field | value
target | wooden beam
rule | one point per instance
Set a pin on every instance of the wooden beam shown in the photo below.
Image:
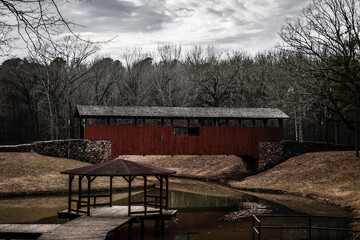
(129, 197)
(88, 194)
(126, 178)
(167, 192)
(145, 190)
(161, 194)
(71, 177)
(111, 190)
(93, 179)
(79, 195)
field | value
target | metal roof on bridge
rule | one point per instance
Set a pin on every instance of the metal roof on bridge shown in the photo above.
(179, 112)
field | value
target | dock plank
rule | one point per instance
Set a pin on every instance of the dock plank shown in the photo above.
(101, 222)
(27, 228)
(25, 231)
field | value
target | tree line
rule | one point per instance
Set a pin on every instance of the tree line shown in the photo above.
(39, 95)
(314, 75)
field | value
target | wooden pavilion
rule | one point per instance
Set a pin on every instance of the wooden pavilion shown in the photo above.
(118, 168)
(181, 130)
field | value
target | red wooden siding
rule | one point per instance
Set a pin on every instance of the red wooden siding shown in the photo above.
(159, 140)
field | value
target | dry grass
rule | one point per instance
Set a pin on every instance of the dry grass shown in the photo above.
(202, 167)
(329, 176)
(32, 173)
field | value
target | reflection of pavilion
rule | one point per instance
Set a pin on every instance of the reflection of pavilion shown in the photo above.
(118, 168)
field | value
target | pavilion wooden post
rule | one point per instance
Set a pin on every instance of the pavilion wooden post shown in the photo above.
(161, 194)
(167, 192)
(129, 207)
(88, 194)
(71, 178)
(78, 205)
(129, 197)
(145, 199)
(111, 190)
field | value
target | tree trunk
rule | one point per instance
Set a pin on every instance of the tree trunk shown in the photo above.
(356, 134)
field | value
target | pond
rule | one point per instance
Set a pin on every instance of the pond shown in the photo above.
(205, 211)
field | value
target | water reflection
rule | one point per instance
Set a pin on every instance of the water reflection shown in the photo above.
(202, 207)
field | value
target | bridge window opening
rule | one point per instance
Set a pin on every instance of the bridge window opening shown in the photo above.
(193, 131)
(186, 131)
(246, 123)
(180, 131)
(272, 123)
(97, 121)
(110, 121)
(180, 122)
(194, 123)
(153, 122)
(233, 123)
(259, 123)
(125, 122)
(207, 122)
(167, 122)
(221, 123)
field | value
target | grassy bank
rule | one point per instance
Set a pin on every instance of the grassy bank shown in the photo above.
(35, 174)
(333, 177)
(206, 167)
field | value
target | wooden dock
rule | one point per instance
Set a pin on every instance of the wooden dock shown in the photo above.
(25, 231)
(102, 223)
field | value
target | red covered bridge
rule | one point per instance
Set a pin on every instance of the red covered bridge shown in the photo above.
(181, 130)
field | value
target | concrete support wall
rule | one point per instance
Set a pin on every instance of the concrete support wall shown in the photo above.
(79, 149)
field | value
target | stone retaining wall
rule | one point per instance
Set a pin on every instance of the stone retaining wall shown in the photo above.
(79, 149)
(273, 153)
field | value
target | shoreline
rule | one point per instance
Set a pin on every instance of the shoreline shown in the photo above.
(280, 180)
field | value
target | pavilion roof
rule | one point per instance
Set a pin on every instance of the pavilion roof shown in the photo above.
(119, 167)
(179, 112)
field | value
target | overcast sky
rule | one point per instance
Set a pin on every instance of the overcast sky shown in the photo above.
(250, 25)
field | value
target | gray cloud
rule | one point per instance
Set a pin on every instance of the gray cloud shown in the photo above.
(243, 24)
(116, 16)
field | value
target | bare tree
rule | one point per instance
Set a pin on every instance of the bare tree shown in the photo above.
(61, 77)
(167, 79)
(329, 32)
(136, 85)
(215, 78)
(36, 22)
(104, 77)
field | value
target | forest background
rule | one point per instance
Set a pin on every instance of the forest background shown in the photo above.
(38, 94)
